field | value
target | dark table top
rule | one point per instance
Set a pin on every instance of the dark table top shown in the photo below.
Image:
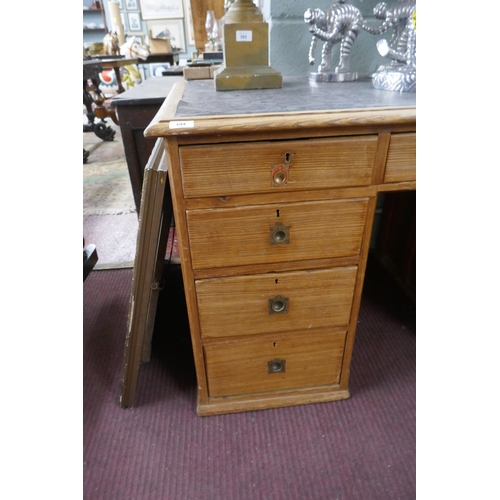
(150, 91)
(159, 58)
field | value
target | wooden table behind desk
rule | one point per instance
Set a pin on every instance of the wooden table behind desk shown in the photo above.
(168, 57)
(136, 108)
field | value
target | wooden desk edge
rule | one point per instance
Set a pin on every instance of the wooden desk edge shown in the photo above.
(160, 126)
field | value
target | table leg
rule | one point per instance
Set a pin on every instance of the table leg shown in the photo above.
(100, 129)
(119, 80)
(87, 102)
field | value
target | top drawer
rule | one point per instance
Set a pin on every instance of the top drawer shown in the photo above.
(265, 167)
(401, 162)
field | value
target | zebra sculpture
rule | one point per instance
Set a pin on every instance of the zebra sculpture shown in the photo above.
(395, 17)
(400, 77)
(341, 22)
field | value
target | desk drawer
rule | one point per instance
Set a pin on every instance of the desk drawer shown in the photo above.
(251, 235)
(274, 364)
(242, 168)
(401, 162)
(275, 302)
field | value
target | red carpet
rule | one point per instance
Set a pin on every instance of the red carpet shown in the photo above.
(361, 448)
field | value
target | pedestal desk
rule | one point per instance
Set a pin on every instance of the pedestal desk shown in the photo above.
(274, 194)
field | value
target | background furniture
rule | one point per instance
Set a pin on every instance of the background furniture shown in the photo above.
(274, 199)
(136, 108)
(395, 245)
(94, 15)
(169, 57)
(91, 70)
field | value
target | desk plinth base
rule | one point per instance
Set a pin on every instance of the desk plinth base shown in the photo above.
(247, 78)
(220, 406)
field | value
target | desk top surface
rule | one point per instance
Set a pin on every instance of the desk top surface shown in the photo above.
(297, 95)
(298, 103)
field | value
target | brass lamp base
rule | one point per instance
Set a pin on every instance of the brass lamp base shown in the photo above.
(246, 51)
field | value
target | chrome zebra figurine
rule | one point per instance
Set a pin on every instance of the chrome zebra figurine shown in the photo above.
(395, 17)
(402, 75)
(342, 23)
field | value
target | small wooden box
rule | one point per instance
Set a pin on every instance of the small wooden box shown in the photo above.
(160, 46)
(201, 73)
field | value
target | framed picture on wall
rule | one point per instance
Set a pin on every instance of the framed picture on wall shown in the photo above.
(139, 37)
(161, 9)
(134, 21)
(131, 4)
(176, 28)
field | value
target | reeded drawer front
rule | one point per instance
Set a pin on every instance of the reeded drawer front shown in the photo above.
(265, 167)
(273, 364)
(274, 302)
(276, 233)
(401, 162)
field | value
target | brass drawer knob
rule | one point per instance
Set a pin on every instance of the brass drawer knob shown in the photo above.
(278, 305)
(276, 365)
(279, 175)
(279, 234)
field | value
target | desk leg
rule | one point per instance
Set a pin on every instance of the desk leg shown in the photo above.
(154, 222)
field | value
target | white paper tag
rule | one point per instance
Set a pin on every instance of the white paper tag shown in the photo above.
(181, 124)
(243, 35)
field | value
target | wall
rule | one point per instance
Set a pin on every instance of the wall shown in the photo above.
(144, 27)
(289, 38)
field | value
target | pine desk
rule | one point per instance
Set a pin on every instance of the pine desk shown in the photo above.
(274, 195)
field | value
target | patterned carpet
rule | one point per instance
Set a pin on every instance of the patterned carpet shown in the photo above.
(106, 182)
(109, 213)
